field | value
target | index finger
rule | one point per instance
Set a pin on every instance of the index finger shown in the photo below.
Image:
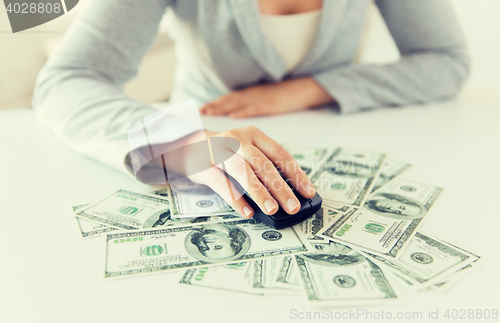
(286, 163)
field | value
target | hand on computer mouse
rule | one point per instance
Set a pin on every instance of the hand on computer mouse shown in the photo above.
(254, 167)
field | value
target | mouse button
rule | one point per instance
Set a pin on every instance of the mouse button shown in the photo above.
(280, 215)
(302, 200)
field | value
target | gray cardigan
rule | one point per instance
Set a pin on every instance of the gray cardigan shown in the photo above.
(220, 47)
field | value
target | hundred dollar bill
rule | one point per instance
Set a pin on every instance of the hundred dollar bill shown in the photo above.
(308, 158)
(446, 285)
(336, 207)
(234, 277)
(332, 216)
(391, 168)
(388, 220)
(220, 217)
(454, 278)
(146, 251)
(287, 275)
(128, 210)
(427, 261)
(308, 229)
(336, 275)
(190, 199)
(348, 176)
(263, 276)
(88, 229)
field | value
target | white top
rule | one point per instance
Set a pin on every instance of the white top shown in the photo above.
(292, 35)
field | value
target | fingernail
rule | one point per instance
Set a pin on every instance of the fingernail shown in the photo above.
(247, 211)
(269, 205)
(292, 204)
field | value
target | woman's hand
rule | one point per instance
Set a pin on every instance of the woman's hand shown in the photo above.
(253, 165)
(275, 98)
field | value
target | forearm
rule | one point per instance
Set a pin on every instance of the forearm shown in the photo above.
(78, 94)
(415, 78)
(434, 60)
(88, 115)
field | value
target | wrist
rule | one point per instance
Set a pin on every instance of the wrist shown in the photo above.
(311, 94)
(175, 154)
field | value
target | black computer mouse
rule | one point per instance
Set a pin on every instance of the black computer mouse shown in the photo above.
(281, 219)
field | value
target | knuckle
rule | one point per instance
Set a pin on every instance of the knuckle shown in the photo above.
(235, 97)
(252, 129)
(256, 162)
(237, 165)
(255, 159)
(229, 133)
(218, 183)
(278, 185)
(229, 103)
(281, 153)
(267, 166)
(255, 187)
(263, 167)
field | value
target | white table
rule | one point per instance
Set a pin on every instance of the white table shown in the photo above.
(48, 275)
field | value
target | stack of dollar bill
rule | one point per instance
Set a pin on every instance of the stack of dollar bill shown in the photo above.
(358, 249)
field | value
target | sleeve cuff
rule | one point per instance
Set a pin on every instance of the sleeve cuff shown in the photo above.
(342, 85)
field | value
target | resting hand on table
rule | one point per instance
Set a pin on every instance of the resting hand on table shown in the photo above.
(287, 96)
(254, 168)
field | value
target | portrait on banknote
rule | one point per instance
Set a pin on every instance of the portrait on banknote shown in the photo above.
(333, 254)
(162, 218)
(217, 242)
(396, 206)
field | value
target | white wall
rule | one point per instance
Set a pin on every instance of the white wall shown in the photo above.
(481, 24)
(23, 54)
